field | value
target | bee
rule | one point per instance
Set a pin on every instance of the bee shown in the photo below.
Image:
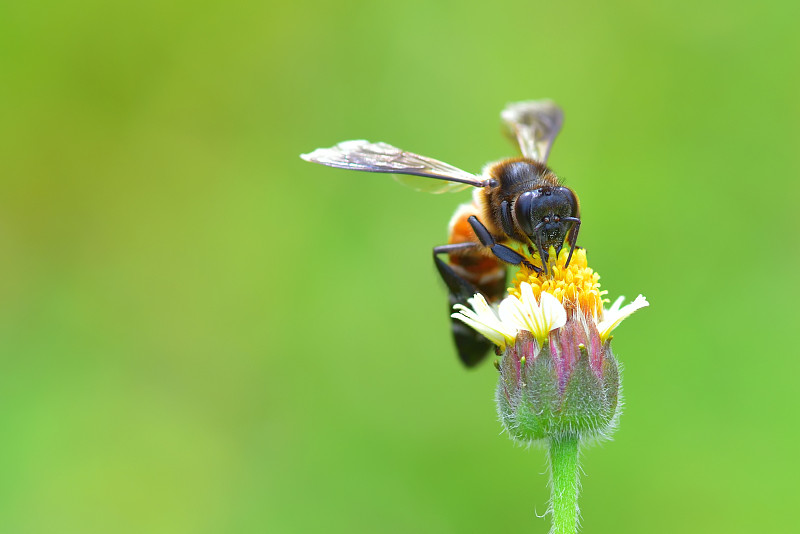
(518, 205)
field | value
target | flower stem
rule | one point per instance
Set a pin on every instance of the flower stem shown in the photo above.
(564, 483)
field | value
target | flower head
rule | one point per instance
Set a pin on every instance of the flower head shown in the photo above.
(557, 375)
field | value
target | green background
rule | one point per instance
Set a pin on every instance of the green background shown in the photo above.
(202, 333)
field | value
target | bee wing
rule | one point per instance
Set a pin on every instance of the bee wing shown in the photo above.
(535, 124)
(379, 157)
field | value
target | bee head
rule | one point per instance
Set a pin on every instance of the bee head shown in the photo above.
(546, 214)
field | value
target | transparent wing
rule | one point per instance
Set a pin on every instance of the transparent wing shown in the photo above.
(379, 157)
(535, 124)
(426, 185)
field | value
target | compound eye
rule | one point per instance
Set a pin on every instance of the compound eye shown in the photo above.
(523, 210)
(546, 220)
(556, 218)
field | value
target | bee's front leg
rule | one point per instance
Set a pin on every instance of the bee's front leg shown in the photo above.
(502, 252)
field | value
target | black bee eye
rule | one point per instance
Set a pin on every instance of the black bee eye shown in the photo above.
(556, 218)
(546, 219)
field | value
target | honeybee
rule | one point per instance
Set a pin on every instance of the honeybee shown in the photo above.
(518, 205)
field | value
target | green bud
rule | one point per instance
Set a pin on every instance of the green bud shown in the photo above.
(568, 386)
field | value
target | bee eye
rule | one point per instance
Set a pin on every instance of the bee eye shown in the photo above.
(546, 220)
(556, 218)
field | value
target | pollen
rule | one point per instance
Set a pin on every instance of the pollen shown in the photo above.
(576, 286)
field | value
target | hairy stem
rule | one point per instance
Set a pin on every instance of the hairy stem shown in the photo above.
(564, 483)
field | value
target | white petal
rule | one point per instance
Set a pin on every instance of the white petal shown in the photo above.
(478, 303)
(482, 319)
(617, 303)
(526, 314)
(613, 316)
(532, 311)
(510, 312)
(492, 335)
(513, 314)
(526, 294)
(553, 312)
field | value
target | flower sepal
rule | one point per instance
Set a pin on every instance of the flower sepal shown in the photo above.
(540, 397)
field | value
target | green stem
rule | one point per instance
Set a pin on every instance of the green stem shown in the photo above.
(564, 483)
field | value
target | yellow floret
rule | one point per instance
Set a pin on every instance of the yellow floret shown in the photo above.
(576, 287)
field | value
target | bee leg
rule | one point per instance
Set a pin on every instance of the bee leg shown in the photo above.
(538, 270)
(482, 233)
(456, 284)
(513, 257)
(572, 239)
(472, 346)
(454, 248)
(503, 253)
(543, 255)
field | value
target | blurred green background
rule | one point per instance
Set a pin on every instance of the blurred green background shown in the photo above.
(201, 333)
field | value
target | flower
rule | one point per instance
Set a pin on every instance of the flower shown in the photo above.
(540, 304)
(515, 315)
(558, 375)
